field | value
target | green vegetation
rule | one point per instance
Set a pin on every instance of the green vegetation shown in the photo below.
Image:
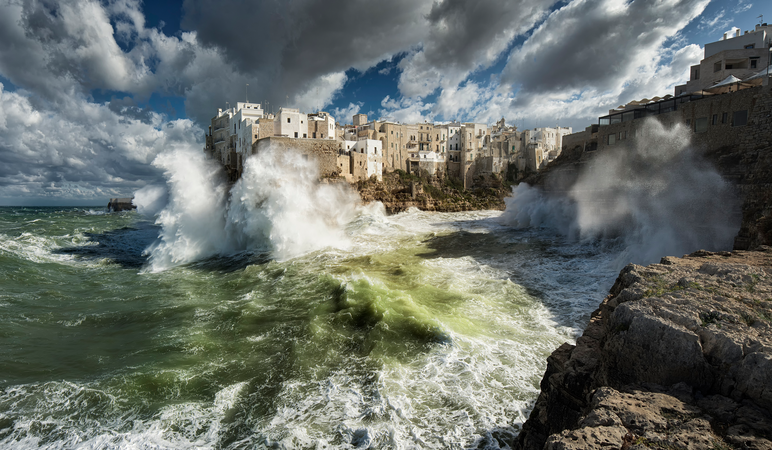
(709, 317)
(751, 287)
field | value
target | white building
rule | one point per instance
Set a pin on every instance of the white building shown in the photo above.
(737, 54)
(244, 125)
(290, 122)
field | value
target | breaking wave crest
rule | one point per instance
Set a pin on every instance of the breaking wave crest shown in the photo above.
(278, 206)
(654, 197)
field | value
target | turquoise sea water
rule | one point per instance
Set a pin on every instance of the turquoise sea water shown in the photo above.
(430, 331)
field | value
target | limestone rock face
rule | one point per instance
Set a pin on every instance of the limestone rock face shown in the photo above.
(679, 355)
(399, 192)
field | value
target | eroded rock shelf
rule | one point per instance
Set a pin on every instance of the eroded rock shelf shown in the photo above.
(678, 355)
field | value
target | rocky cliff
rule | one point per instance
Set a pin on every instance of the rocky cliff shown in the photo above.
(399, 191)
(678, 355)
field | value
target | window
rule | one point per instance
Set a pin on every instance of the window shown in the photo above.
(622, 135)
(750, 46)
(392, 131)
(288, 120)
(612, 139)
(740, 118)
(688, 122)
(724, 117)
(717, 67)
(314, 134)
(715, 120)
(701, 125)
(305, 135)
(296, 134)
(754, 61)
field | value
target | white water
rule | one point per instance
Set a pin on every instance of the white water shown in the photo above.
(278, 206)
(652, 196)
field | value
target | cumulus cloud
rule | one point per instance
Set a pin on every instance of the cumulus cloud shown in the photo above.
(563, 60)
(345, 115)
(406, 110)
(465, 36)
(294, 46)
(86, 150)
(598, 44)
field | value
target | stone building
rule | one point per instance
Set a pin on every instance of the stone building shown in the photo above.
(735, 54)
(321, 125)
(715, 119)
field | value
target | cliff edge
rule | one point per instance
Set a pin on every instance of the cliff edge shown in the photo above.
(678, 355)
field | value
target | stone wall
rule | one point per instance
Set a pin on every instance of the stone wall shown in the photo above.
(749, 165)
(325, 151)
(719, 131)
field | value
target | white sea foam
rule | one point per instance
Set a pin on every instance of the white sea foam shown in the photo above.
(64, 412)
(655, 196)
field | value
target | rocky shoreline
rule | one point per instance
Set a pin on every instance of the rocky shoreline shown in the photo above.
(678, 355)
(400, 191)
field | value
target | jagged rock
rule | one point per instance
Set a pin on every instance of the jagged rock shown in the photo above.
(399, 192)
(679, 355)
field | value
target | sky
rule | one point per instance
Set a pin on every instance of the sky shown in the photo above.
(91, 92)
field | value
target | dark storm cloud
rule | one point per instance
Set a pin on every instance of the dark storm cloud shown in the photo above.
(55, 140)
(286, 45)
(463, 36)
(597, 44)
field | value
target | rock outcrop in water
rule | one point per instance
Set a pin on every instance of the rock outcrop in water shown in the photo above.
(678, 355)
(121, 204)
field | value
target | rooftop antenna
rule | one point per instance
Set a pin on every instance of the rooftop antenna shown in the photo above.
(761, 19)
(246, 93)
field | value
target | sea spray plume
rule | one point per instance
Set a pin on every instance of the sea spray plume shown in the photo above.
(659, 194)
(151, 200)
(279, 204)
(655, 195)
(193, 221)
(529, 207)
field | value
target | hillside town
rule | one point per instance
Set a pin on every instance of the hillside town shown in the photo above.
(367, 148)
(715, 103)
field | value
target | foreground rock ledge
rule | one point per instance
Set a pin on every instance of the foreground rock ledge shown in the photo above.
(679, 355)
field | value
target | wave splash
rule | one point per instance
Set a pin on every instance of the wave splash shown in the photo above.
(278, 206)
(653, 197)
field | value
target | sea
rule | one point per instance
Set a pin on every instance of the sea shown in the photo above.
(281, 313)
(431, 330)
